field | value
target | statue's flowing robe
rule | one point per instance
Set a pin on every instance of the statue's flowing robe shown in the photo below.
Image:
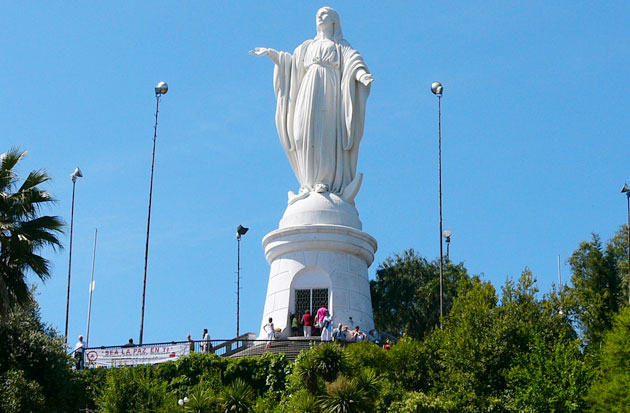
(320, 112)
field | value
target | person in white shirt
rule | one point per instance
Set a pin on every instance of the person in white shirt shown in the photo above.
(358, 335)
(205, 344)
(271, 332)
(326, 324)
(79, 351)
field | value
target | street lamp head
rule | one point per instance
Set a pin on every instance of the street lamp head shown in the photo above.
(625, 189)
(241, 230)
(76, 174)
(447, 234)
(161, 89)
(437, 88)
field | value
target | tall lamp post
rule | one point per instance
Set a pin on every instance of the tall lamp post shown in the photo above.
(160, 90)
(74, 175)
(437, 89)
(240, 230)
(626, 190)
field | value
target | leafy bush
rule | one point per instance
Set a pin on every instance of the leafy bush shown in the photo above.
(330, 360)
(135, 389)
(416, 402)
(20, 394)
(345, 396)
(367, 355)
(263, 373)
(189, 371)
(201, 400)
(35, 353)
(305, 374)
(301, 401)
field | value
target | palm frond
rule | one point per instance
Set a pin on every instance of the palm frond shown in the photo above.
(8, 160)
(23, 233)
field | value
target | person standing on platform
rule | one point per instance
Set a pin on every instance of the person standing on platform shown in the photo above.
(191, 343)
(319, 319)
(79, 351)
(338, 334)
(294, 325)
(271, 332)
(307, 320)
(326, 327)
(205, 344)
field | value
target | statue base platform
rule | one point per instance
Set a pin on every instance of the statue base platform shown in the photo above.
(317, 208)
(314, 265)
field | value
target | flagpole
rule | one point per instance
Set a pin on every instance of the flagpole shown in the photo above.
(87, 334)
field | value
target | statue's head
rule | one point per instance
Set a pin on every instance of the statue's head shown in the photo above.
(327, 16)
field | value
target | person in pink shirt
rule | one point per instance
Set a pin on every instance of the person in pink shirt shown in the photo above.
(307, 321)
(321, 313)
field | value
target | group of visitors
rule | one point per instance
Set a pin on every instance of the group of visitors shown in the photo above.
(320, 325)
(344, 334)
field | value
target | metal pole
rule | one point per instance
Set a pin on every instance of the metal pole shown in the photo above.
(238, 285)
(146, 249)
(440, 181)
(559, 273)
(74, 183)
(628, 197)
(448, 247)
(87, 334)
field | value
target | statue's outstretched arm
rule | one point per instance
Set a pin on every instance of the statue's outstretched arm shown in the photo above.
(364, 77)
(272, 53)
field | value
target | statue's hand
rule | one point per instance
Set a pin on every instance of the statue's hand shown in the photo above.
(259, 51)
(366, 79)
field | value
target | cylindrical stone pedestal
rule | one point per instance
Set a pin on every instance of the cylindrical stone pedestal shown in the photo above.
(314, 264)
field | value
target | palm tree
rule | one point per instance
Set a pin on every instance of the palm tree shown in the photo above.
(23, 232)
(237, 397)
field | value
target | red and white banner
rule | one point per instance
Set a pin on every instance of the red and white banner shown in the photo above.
(132, 356)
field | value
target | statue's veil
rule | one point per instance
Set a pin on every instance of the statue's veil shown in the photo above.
(337, 32)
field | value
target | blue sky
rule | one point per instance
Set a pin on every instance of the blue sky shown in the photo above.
(535, 142)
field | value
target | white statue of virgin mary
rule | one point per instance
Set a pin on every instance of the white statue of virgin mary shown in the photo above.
(322, 89)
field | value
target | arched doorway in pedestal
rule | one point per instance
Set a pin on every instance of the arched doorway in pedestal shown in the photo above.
(310, 290)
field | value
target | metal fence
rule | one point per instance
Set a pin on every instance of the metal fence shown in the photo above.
(245, 345)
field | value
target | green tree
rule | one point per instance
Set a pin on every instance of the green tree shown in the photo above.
(618, 248)
(551, 377)
(598, 291)
(23, 231)
(471, 354)
(35, 373)
(610, 391)
(492, 354)
(406, 293)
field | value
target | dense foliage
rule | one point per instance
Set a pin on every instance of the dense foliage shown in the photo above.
(406, 293)
(35, 372)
